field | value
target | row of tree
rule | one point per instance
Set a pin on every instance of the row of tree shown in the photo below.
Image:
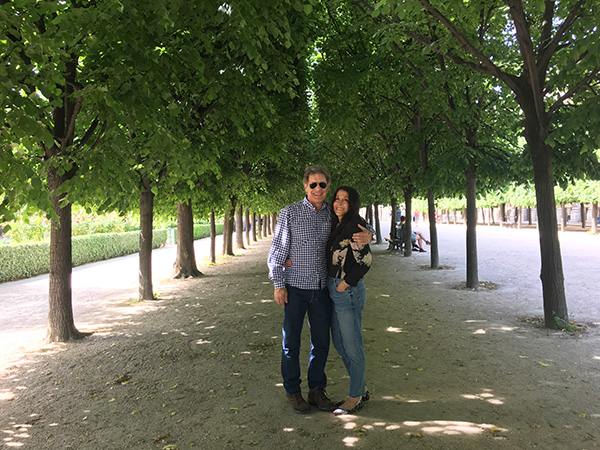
(157, 105)
(122, 104)
(453, 99)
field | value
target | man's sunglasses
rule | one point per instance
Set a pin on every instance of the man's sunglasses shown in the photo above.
(322, 185)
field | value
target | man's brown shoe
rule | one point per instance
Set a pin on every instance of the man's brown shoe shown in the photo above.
(298, 404)
(318, 398)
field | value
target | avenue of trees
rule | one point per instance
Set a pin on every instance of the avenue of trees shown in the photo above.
(213, 109)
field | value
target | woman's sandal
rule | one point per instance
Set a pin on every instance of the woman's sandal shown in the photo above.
(341, 412)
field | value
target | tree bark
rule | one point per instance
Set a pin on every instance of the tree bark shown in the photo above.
(239, 228)
(552, 276)
(213, 238)
(229, 238)
(265, 223)
(583, 214)
(185, 262)
(61, 325)
(253, 226)
(247, 225)
(472, 267)
(434, 256)
(377, 225)
(145, 288)
(502, 214)
(407, 229)
(225, 231)
(393, 218)
(595, 217)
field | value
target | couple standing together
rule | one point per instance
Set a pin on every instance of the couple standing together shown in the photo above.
(319, 255)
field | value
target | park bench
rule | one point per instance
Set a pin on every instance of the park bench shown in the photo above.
(396, 242)
(395, 239)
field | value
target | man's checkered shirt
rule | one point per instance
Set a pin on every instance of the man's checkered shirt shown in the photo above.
(300, 235)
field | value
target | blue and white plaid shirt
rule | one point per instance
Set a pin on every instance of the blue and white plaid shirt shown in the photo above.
(300, 235)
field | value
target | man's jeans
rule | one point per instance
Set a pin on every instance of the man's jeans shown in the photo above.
(318, 306)
(346, 331)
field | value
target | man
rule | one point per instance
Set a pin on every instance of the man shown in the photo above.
(301, 288)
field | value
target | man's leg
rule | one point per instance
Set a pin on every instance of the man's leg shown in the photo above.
(293, 319)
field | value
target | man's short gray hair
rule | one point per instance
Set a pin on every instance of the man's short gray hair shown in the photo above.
(314, 170)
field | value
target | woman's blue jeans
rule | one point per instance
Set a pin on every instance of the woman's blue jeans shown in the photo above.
(317, 304)
(346, 331)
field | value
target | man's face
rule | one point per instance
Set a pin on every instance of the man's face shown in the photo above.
(315, 192)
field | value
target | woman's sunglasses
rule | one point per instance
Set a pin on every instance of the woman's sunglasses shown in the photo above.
(322, 185)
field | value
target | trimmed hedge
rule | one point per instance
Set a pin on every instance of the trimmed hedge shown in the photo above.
(28, 260)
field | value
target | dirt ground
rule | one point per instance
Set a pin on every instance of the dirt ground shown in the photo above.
(448, 368)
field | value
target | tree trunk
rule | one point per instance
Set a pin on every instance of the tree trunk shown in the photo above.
(61, 325)
(520, 221)
(185, 263)
(213, 238)
(583, 214)
(455, 221)
(247, 225)
(273, 222)
(472, 268)
(230, 228)
(225, 231)
(253, 226)
(553, 287)
(265, 223)
(490, 216)
(407, 230)
(433, 239)
(369, 214)
(145, 288)
(377, 225)
(239, 229)
(595, 217)
(393, 218)
(502, 214)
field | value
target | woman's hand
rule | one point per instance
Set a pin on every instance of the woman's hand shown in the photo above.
(342, 286)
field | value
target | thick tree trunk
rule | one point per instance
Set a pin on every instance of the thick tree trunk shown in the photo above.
(472, 267)
(377, 225)
(185, 263)
(247, 225)
(273, 222)
(239, 228)
(595, 217)
(407, 230)
(553, 282)
(145, 289)
(433, 239)
(61, 325)
(213, 238)
(254, 238)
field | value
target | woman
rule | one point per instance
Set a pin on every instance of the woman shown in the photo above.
(347, 264)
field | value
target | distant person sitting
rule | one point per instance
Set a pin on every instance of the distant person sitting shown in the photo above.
(417, 237)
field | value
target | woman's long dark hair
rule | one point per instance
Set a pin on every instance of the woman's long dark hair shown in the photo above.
(353, 208)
